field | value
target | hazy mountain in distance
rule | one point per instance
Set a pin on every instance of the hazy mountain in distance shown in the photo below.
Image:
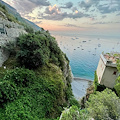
(14, 12)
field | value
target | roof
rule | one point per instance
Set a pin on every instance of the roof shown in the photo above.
(110, 59)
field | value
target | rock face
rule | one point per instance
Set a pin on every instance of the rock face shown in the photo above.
(12, 31)
(67, 73)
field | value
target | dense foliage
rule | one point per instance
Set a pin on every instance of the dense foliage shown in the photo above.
(32, 95)
(74, 113)
(33, 85)
(104, 105)
(117, 85)
(38, 94)
(8, 92)
(97, 86)
(38, 49)
(35, 80)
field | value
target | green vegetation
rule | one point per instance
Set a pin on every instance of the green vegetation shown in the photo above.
(16, 18)
(33, 85)
(10, 17)
(74, 113)
(38, 97)
(104, 105)
(37, 49)
(97, 86)
(117, 85)
(100, 103)
(28, 29)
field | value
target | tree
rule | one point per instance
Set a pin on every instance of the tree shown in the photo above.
(117, 85)
(33, 50)
(104, 105)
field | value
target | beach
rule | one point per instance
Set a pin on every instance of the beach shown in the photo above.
(79, 87)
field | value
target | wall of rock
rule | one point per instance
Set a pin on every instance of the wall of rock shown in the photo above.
(13, 30)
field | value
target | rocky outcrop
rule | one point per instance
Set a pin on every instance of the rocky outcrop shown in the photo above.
(13, 30)
(3, 15)
(67, 73)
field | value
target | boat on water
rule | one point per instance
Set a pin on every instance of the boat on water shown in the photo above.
(99, 45)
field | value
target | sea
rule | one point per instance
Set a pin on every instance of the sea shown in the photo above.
(83, 52)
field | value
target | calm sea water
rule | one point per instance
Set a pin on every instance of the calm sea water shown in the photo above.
(84, 51)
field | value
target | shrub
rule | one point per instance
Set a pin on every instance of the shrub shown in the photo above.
(20, 76)
(97, 86)
(33, 51)
(36, 49)
(8, 92)
(95, 81)
(104, 105)
(74, 113)
(19, 110)
(117, 86)
(74, 102)
(29, 29)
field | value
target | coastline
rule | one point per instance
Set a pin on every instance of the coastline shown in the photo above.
(79, 86)
(78, 78)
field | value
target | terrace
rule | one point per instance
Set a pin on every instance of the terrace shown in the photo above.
(110, 59)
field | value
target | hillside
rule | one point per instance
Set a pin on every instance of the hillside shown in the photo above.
(13, 11)
(34, 74)
(35, 78)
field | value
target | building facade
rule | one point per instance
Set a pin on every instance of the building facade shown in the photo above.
(107, 71)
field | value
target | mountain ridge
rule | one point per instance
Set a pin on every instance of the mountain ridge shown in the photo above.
(14, 12)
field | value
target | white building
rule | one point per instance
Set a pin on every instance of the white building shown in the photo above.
(107, 70)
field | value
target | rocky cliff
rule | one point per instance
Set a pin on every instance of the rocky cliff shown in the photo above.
(9, 32)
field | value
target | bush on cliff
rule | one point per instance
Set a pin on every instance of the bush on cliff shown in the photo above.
(33, 95)
(117, 85)
(8, 92)
(104, 105)
(42, 93)
(35, 49)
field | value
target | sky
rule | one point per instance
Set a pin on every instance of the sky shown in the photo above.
(82, 16)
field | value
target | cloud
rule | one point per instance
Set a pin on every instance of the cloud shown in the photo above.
(102, 6)
(104, 16)
(40, 2)
(27, 6)
(118, 14)
(110, 7)
(88, 3)
(54, 13)
(71, 25)
(64, 15)
(76, 26)
(68, 5)
(105, 23)
(52, 10)
(105, 9)
(30, 17)
(74, 9)
(38, 22)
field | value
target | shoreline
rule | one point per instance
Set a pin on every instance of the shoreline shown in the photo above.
(78, 78)
(79, 87)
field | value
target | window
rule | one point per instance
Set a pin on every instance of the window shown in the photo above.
(114, 73)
